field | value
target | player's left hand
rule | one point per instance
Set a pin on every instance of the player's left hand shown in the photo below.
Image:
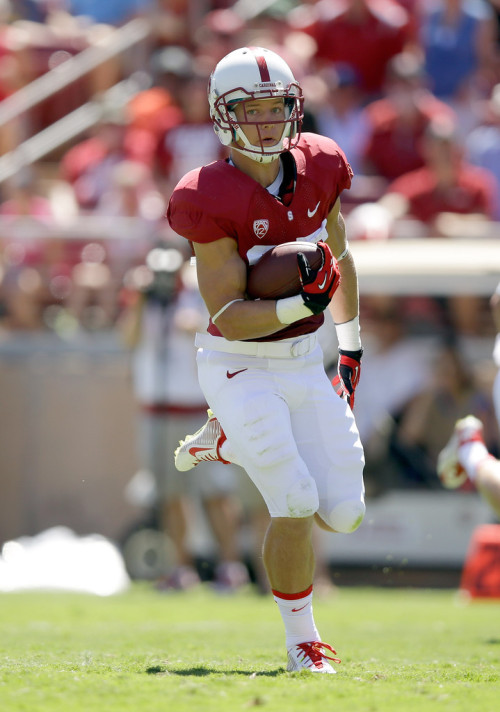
(348, 373)
(318, 286)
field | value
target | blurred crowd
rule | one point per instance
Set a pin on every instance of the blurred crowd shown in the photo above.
(409, 89)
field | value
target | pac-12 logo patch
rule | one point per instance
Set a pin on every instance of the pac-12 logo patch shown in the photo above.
(260, 228)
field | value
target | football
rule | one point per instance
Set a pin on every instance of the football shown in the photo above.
(276, 274)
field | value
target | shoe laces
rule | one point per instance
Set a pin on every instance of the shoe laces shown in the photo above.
(314, 651)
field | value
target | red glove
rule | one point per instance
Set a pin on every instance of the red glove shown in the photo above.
(348, 372)
(318, 286)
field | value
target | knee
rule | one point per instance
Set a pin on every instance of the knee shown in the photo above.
(302, 499)
(347, 516)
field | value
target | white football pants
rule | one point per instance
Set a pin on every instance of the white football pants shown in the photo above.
(289, 430)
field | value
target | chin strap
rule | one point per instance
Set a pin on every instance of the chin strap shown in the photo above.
(257, 157)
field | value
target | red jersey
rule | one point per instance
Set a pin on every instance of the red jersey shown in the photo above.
(473, 192)
(394, 147)
(368, 45)
(219, 200)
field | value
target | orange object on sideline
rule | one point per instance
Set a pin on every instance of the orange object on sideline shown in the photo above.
(481, 572)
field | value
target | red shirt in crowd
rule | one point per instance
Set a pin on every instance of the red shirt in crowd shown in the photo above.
(367, 46)
(472, 192)
(393, 145)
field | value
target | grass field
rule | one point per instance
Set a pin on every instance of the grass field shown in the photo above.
(401, 650)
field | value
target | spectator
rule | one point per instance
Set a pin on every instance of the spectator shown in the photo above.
(159, 325)
(152, 112)
(44, 44)
(88, 166)
(483, 144)
(170, 67)
(173, 22)
(362, 33)
(99, 269)
(339, 114)
(446, 194)
(192, 142)
(396, 369)
(25, 265)
(111, 12)
(398, 121)
(447, 183)
(458, 39)
(221, 31)
(425, 423)
(414, 10)
(465, 458)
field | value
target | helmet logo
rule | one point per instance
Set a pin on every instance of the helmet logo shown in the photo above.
(260, 228)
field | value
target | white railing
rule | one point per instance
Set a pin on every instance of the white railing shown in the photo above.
(440, 266)
(70, 126)
(81, 119)
(80, 227)
(74, 68)
(428, 265)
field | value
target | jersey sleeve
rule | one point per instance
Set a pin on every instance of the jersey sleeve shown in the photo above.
(193, 213)
(330, 166)
(344, 171)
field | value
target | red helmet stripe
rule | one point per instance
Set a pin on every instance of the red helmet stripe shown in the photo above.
(263, 68)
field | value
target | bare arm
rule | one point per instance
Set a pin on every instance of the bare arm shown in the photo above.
(222, 278)
(345, 303)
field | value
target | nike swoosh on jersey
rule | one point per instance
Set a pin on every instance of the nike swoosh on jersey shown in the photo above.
(310, 213)
(235, 373)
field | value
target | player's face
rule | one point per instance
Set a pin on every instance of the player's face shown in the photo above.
(261, 120)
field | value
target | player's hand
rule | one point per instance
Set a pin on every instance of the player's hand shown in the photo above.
(318, 285)
(348, 373)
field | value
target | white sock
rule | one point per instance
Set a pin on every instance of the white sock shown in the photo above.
(470, 454)
(297, 614)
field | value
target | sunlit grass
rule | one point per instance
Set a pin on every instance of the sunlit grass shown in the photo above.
(401, 650)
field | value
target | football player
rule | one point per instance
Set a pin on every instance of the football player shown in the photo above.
(465, 455)
(260, 364)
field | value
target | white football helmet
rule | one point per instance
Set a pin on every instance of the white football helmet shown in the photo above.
(247, 74)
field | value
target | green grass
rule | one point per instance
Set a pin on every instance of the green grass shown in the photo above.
(403, 650)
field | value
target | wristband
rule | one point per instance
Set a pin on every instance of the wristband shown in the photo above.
(348, 335)
(292, 309)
